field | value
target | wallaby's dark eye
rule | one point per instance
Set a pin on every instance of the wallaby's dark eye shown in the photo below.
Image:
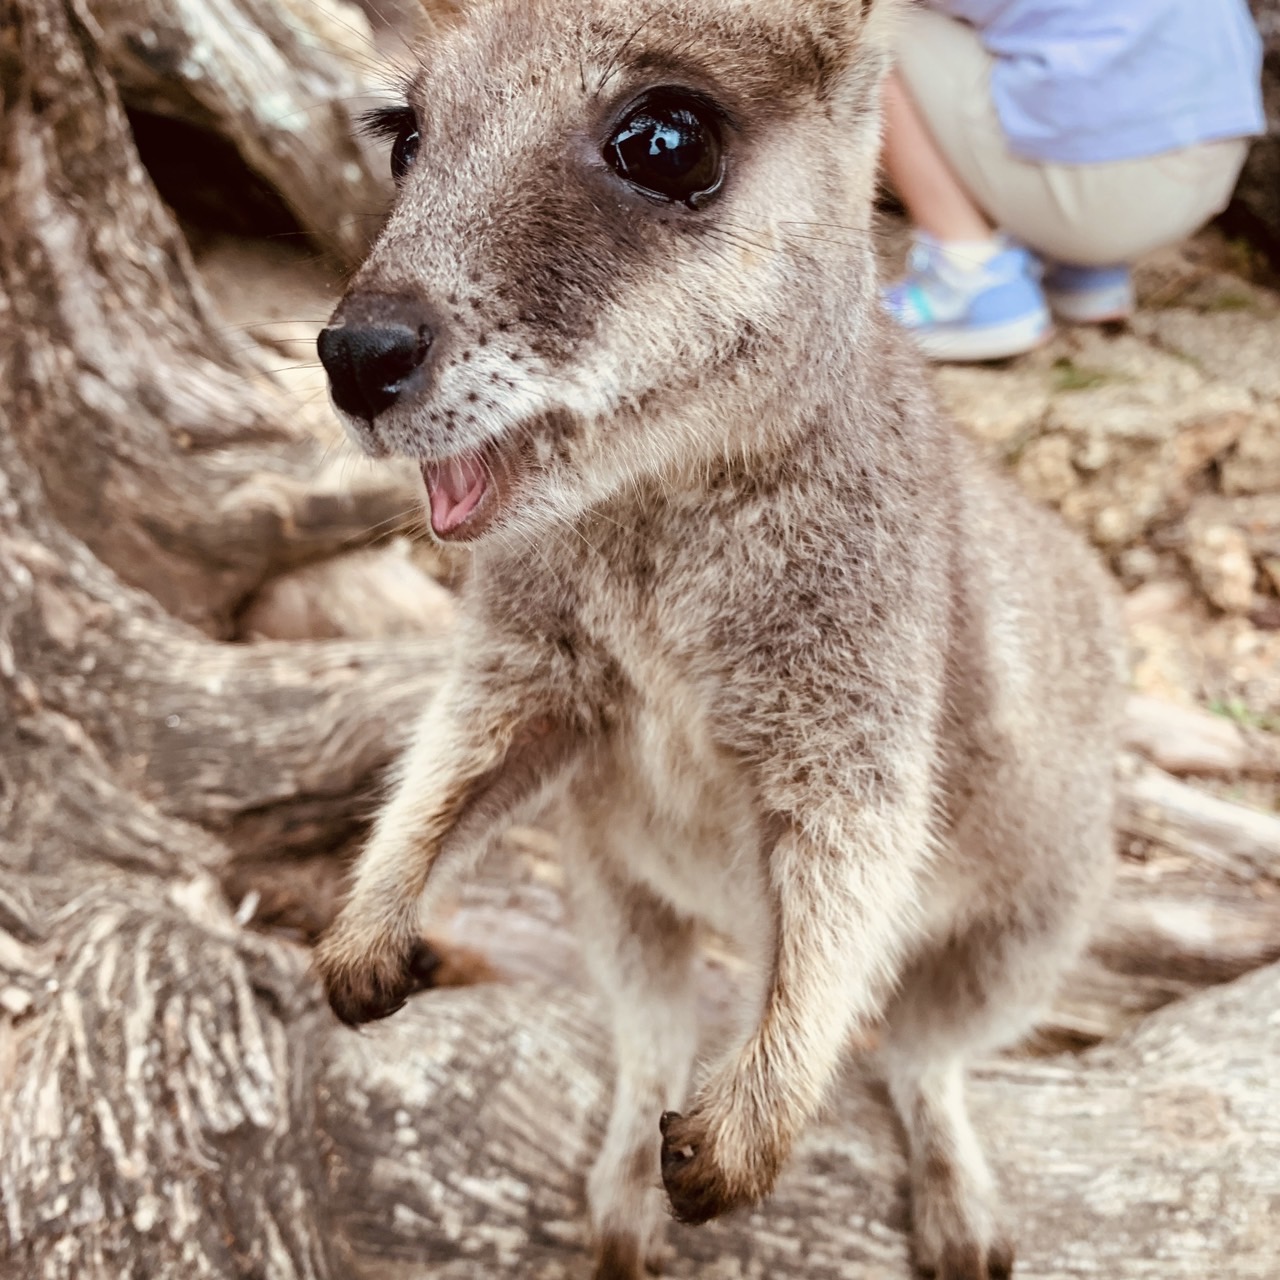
(404, 151)
(400, 125)
(669, 146)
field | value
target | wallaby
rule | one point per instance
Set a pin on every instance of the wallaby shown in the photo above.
(798, 665)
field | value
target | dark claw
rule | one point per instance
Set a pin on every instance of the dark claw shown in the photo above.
(618, 1259)
(693, 1185)
(355, 1011)
(673, 1156)
(423, 966)
(386, 1013)
(967, 1260)
(370, 996)
(1000, 1260)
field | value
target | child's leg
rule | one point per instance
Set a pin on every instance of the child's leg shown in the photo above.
(935, 198)
(967, 294)
(1088, 215)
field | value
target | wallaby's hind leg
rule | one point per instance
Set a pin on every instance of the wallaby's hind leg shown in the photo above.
(956, 1234)
(640, 952)
(977, 991)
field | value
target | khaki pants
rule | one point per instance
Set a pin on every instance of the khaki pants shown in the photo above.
(1089, 214)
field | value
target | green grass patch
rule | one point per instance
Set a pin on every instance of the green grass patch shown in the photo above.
(1069, 376)
(1234, 709)
(1229, 300)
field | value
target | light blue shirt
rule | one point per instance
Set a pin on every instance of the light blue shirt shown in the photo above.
(1086, 81)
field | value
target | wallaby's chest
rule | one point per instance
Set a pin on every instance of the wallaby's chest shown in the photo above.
(681, 810)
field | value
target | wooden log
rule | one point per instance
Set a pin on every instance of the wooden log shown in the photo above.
(1196, 902)
(275, 747)
(1156, 1156)
(372, 593)
(1243, 842)
(156, 1107)
(280, 82)
(176, 1105)
(1189, 740)
(178, 464)
(155, 1089)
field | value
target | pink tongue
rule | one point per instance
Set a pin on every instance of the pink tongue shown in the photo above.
(454, 488)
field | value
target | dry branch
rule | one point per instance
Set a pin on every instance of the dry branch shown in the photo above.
(1188, 740)
(1196, 902)
(1243, 842)
(171, 458)
(277, 748)
(280, 82)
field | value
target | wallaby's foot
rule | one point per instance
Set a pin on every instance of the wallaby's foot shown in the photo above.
(631, 1255)
(972, 1261)
(955, 1237)
(618, 1257)
(364, 982)
(629, 1227)
(702, 1178)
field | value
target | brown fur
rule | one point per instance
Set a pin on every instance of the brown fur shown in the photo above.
(797, 663)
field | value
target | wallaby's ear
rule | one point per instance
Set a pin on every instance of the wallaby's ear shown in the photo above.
(440, 14)
(862, 11)
(864, 30)
(861, 22)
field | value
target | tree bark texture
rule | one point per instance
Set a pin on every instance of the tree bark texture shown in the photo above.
(156, 442)
(176, 1105)
(1155, 1156)
(1190, 741)
(281, 80)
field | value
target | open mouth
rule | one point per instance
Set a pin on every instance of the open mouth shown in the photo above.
(455, 488)
(466, 492)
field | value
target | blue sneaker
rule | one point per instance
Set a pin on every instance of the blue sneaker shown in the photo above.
(966, 313)
(1089, 295)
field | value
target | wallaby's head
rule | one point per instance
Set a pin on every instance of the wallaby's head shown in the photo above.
(614, 219)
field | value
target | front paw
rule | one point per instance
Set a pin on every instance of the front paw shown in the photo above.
(365, 982)
(702, 1179)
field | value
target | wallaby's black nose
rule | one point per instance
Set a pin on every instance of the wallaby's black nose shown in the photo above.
(373, 352)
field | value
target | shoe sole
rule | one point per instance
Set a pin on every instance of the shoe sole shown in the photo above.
(974, 344)
(1104, 306)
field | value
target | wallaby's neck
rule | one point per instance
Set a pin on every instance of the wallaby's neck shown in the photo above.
(838, 380)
